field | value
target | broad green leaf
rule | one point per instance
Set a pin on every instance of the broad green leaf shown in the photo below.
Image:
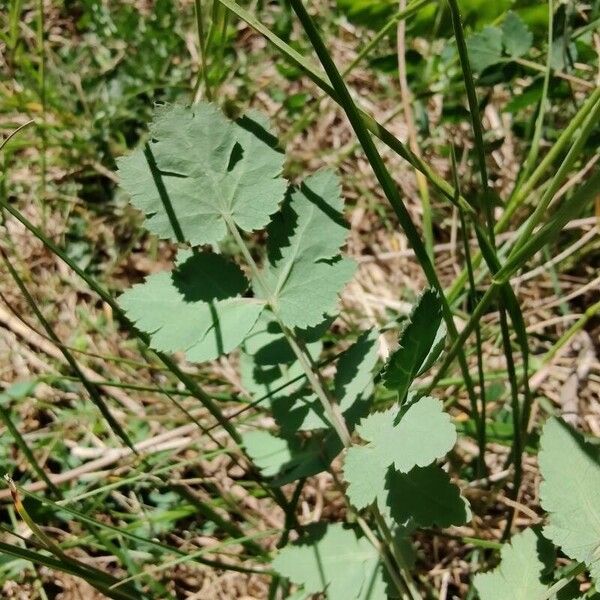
(516, 36)
(525, 563)
(425, 497)
(414, 438)
(286, 458)
(334, 560)
(485, 48)
(306, 272)
(418, 339)
(196, 308)
(570, 493)
(198, 168)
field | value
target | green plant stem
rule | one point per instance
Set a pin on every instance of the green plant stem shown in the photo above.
(331, 408)
(385, 557)
(567, 211)
(590, 312)
(397, 551)
(507, 297)
(388, 186)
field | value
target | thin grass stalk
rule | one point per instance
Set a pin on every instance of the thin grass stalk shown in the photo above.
(403, 14)
(42, 92)
(557, 180)
(91, 388)
(532, 156)
(388, 186)
(472, 298)
(566, 212)
(522, 193)
(202, 48)
(24, 447)
(186, 379)
(412, 132)
(507, 297)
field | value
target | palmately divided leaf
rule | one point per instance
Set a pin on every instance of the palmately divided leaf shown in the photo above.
(417, 340)
(570, 493)
(196, 308)
(525, 564)
(423, 434)
(334, 560)
(425, 497)
(485, 48)
(516, 36)
(199, 167)
(306, 272)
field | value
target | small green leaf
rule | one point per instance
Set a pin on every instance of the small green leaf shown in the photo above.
(198, 168)
(334, 560)
(286, 458)
(516, 36)
(195, 309)
(422, 434)
(419, 343)
(306, 272)
(425, 497)
(485, 48)
(353, 385)
(569, 492)
(526, 563)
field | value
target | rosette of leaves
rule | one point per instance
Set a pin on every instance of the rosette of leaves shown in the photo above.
(201, 178)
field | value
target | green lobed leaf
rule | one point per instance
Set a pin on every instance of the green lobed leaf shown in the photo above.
(485, 48)
(569, 492)
(425, 497)
(333, 559)
(403, 440)
(525, 564)
(516, 36)
(198, 168)
(306, 271)
(196, 308)
(419, 337)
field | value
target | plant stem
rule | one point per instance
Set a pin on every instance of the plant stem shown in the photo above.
(331, 408)
(387, 184)
(390, 568)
